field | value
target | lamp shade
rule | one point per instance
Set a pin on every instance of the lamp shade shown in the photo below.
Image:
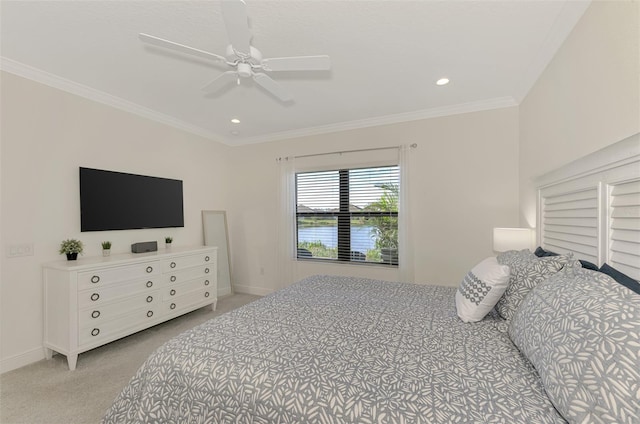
(512, 239)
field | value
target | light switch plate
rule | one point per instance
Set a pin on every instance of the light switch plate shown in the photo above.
(17, 250)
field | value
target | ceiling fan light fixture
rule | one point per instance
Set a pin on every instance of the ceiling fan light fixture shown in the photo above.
(244, 70)
(442, 81)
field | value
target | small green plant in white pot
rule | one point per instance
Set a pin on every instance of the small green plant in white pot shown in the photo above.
(106, 248)
(168, 241)
(71, 248)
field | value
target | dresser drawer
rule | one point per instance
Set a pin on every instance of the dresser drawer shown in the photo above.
(184, 275)
(86, 298)
(190, 299)
(106, 276)
(106, 329)
(182, 262)
(108, 311)
(178, 290)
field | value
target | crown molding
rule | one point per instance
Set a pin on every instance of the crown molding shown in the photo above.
(497, 103)
(69, 86)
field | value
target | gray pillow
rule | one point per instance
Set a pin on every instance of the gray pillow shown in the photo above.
(581, 331)
(527, 271)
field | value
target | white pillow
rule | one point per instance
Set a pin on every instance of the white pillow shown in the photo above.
(481, 289)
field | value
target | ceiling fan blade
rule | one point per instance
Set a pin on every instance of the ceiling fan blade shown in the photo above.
(160, 42)
(221, 81)
(237, 24)
(271, 86)
(298, 63)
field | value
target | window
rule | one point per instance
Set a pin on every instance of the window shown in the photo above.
(348, 215)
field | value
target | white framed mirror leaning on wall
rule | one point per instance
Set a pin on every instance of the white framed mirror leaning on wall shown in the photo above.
(214, 224)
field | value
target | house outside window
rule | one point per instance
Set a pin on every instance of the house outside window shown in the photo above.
(348, 215)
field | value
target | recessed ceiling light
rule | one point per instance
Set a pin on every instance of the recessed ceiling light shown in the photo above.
(235, 121)
(443, 81)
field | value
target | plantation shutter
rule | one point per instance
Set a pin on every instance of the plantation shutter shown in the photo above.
(624, 228)
(591, 207)
(570, 223)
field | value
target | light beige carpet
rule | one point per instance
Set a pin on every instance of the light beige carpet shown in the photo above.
(47, 392)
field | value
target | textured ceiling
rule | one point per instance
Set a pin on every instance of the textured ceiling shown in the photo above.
(386, 56)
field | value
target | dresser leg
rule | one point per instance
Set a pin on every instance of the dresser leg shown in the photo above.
(48, 353)
(214, 305)
(72, 360)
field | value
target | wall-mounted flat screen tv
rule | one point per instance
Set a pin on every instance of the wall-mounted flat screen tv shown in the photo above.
(119, 201)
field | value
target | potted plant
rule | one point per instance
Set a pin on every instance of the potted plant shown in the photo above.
(168, 241)
(106, 248)
(71, 248)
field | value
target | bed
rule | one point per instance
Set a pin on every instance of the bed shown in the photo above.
(527, 337)
(366, 350)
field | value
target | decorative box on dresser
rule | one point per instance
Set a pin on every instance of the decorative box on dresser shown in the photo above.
(96, 300)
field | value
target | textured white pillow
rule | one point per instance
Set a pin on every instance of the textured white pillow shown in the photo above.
(481, 289)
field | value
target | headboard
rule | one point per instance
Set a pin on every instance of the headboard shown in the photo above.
(591, 207)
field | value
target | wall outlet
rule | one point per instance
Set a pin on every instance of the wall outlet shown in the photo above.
(17, 250)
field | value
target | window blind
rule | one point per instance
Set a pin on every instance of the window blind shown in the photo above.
(348, 214)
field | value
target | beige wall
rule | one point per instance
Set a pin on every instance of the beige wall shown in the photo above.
(587, 98)
(46, 135)
(463, 183)
(470, 172)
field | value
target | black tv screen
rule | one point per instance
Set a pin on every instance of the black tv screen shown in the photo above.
(120, 201)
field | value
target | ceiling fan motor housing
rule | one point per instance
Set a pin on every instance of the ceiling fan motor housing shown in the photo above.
(254, 55)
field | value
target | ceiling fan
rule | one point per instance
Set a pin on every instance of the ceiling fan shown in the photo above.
(244, 59)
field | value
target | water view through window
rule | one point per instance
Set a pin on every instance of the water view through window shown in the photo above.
(348, 214)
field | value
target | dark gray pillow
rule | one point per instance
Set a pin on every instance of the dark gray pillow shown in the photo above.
(540, 252)
(621, 278)
(581, 331)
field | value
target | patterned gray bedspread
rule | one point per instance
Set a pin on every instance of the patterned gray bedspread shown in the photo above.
(339, 350)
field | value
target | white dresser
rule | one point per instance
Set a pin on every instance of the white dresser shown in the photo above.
(96, 300)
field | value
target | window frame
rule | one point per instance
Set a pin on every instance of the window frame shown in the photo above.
(344, 216)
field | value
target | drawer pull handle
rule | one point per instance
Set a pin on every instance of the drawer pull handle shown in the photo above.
(206, 258)
(95, 296)
(172, 264)
(173, 278)
(206, 270)
(206, 282)
(172, 292)
(149, 269)
(149, 283)
(95, 332)
(149, 299)
(150, 314)
(95, 314)
(95, 279)
(173, 306)
(206, 294)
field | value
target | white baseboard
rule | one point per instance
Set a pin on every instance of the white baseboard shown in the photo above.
(257, 291)
(22, 359)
